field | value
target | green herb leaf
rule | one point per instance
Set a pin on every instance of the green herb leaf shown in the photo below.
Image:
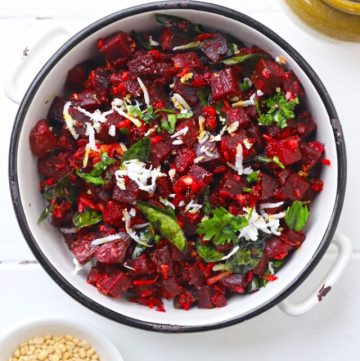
(203, 96)
(165, 224)
(245, 259)
(222, 227)
(165, 110)
(297, 216)
(135, 111)
(278, 111)
(140, 150)
(245, 85)
(253, 176)
(208, 253)
(141, 41)
(149, 115)
(94, 177)
(146, 239)
(191, 45)
(169, 125)
(276, 160)
(238, 59)
(263, 159)
(44, 214)
(87, 218)
(247, 190)
(186, 115)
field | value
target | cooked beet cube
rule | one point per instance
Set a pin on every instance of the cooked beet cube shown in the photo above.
(292, 238)
(267, 75)
(163, 187)
(237, 115)
(109, 280)
(56, 111)
(229, 143)
(262, 266)
(128, 195)
(158, 95)
(283, 175)
(55, 166)
(161, 257)
(294, 188)
(277, 249)
(211, 157)
(142, 65)
(215, 48)
(223, 84)
(112, 252)
(200, 174)
(204, 294)
(231, 186)
(268, 186)
(187, 92)
(117, 48)
(82, 249)
(86, 99)
(312, 154)
(171, 288)
(142, 265)
(184, 159)
(187, 60)
(133, 87)
(190, 138)
(288, 150)
(113, 214)
(77, 76)
(235, 282)
(291, 85)
(42, 139)
(169, 40)
(103, 135)
(303, 125)
(160, 150)
(189, 222)
(99, 82)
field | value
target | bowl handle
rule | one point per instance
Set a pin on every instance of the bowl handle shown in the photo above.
(12, 87)
(344, 247)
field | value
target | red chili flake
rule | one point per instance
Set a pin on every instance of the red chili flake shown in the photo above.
(159, 104)
(156, 139)
(155, 53)
(164, 271)
(249, 276)
(124, 124)
(317, 185)
(326, 161)
(270, 278)
(204, 36)
(149, 281)
(49, 181)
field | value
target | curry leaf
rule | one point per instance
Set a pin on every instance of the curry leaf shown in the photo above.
(165, 224)
(238, 59)
(44, 214)
(87, 218)
(208, 253)
(297, 216)
(222, 227)
(141, 41)
(140, 150)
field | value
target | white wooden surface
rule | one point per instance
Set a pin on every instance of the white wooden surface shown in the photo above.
(331, 331)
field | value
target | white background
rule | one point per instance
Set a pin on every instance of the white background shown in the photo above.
(331, 331)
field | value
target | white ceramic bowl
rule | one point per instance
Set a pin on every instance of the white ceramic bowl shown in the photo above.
(47, 243)
(104, 348)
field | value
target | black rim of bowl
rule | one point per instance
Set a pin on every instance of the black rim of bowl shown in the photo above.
(158, 6)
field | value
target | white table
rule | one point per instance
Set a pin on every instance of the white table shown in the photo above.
(331, 331)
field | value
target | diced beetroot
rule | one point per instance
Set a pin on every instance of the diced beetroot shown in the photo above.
(190, 138)
(62, 214)
(261, 267)
(128, 195)
(169, 40)
(291, 86)
(112, 252)
(216, 200)
(103, 135)
(77, 76)
(183, 160)
(223, 84)
(204, 294)
(163, 187)
(268, 186)
(165, 71)
(187, 92)
(55, 166)
(235, 282)
(277, 249)
(229, 143)
(86, 99)
(288, 150)
(56, 111)
(82, 249)
(196, 277)
(189, 222)
(161, 257)
(142, 265)
(215, 47)
(99, 82)
(160, 150)
(292, 238)
(133, 87)
(185, 300)
(157, 94)
(303, 125)
(187, 60)
(200, 174)
(142, 65)
(237, 115)
(171, 288)
(117, 48)
(209, 162)
(232, 185)
(219, 299)
(312, 154)
(113, 214)
(283, 175)
(42, 139)
(294, 188)
(109, 280)
(267, 75)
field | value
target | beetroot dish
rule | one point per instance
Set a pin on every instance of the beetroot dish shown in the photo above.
(179, 165)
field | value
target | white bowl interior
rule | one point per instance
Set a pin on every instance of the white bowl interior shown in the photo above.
(104, 348)
(51, 242)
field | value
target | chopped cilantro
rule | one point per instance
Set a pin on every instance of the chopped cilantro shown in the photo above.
(297, 216)
(253, 176)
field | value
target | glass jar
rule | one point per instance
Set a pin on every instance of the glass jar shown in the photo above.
(338, 19)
